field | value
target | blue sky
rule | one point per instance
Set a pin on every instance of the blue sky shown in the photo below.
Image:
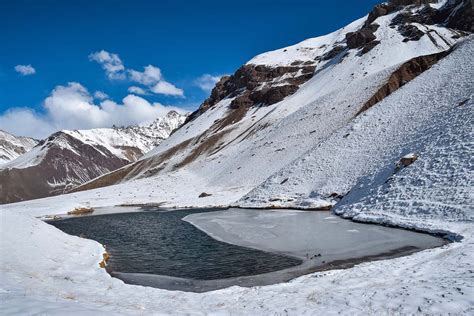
(184, 39)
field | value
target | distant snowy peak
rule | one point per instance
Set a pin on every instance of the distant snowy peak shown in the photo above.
(69, 158)
(13, 146)
(161, 128)
(131, 142)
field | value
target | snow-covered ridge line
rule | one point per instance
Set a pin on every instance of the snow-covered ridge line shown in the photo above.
(12, 146)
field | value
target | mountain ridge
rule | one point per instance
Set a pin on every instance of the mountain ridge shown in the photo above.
(68, 158)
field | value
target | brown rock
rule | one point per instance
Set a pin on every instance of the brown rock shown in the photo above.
(204, 194)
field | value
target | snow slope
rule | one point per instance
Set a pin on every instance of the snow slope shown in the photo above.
(316, 139)
(13, 146)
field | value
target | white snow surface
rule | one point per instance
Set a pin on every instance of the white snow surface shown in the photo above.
(12, 146)
(302, 139)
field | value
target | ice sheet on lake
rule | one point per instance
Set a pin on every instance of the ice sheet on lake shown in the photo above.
(306, 234)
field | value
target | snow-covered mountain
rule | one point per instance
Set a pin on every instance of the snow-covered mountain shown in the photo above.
(69, 158)
(12, 146)
(285, 103)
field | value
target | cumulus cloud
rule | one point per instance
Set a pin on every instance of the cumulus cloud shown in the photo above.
(151, 77)
(167, 88)
(137, 90)
(111, 63)
(72, 107)
(100, 95)
(207, 82)
(25, 70)
(26, 122)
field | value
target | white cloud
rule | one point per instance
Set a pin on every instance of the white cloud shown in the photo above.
(111, 63)
(151, 76)
(100, 95)
(72, 107)
(137, 90)
(167, 88)
(207, 82)
(25, 122)
(25, 70)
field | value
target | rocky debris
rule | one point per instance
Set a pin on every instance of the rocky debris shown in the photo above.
(405, 161)
(335, 195)
(204, 194)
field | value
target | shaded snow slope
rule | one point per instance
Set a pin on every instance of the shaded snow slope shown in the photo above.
(12, 146)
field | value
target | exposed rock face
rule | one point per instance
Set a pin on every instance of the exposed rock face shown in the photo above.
(405, 73)
(456, 14)
(460, 15)
(361, 37)
(261, 85)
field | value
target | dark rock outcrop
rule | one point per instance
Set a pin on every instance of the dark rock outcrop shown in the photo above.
(455, 14)
(363, 38)
(254, 85)
(410, 32)
(405, 73)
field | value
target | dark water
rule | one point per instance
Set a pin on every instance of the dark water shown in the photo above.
(161, 243)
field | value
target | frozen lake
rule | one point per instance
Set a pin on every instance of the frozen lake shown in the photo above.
(205, 249)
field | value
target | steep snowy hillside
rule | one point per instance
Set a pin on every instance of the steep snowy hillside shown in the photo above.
(13, 146)
(283, 103)
(69, 158)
